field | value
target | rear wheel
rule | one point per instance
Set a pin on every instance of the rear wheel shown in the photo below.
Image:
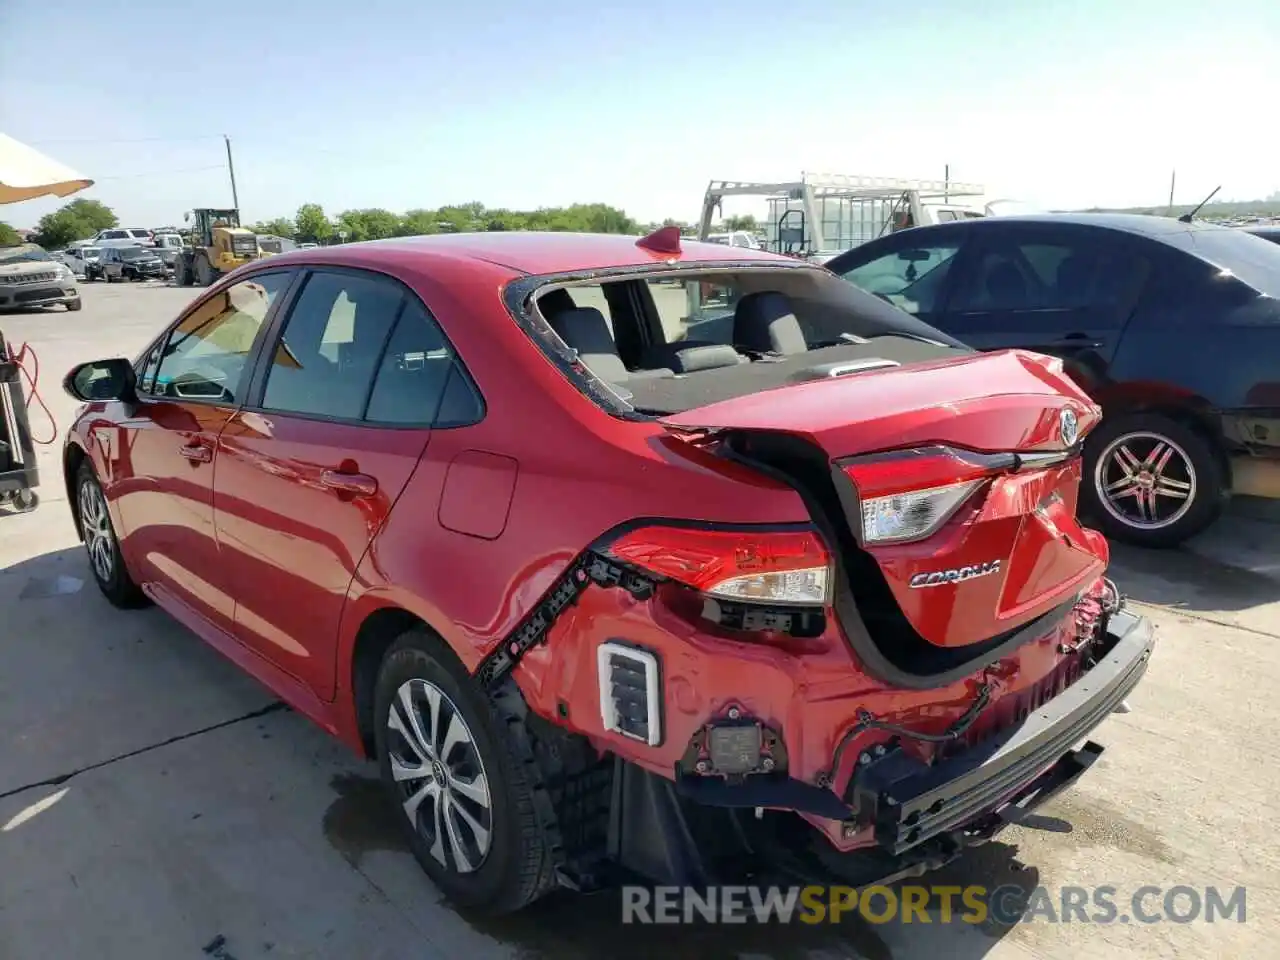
(105, 558)
(464, 799)
(1152, 481)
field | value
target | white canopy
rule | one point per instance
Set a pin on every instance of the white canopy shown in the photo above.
(26, 174)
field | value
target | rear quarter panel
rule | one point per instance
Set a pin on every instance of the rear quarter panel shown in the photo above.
(580, 473)
(1197, 339)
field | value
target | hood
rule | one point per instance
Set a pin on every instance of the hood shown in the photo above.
(10, 271)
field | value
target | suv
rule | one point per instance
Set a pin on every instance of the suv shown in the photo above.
(31, 277)
(598, 587)
(129, 263)
(1174, 328)
(127, 235)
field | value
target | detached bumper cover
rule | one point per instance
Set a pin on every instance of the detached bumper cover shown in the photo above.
(909, 802)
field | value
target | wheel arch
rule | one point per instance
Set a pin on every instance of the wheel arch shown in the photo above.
(377, 631)
(1190, 410)
(73, 455)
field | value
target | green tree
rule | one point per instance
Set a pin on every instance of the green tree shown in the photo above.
(370, 224)
(8, 235)
(77, 220)
(419, 223)
(59, 228)
(279, 227)
(311, 224)
(94, 213)
(746, 222)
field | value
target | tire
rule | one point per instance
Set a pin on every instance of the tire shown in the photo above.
(74, 305)
(1163, 456)
(205, 274)
(514, 870)
(106, 562)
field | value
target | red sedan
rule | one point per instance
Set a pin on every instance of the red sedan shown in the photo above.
(606, 572)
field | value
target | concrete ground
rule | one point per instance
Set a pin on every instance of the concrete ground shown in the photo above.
(156, 803)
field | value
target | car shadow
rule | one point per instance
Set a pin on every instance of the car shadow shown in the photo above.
(1232, 566)
(567, 925)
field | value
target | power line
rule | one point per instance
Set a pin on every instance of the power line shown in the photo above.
(208, 136)
(160, 173)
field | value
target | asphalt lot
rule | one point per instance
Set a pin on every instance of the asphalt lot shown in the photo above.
(156, 803)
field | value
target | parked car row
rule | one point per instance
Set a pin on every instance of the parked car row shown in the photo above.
(114, 262)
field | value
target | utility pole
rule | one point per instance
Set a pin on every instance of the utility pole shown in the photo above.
(231, 169)
(946, 183)
(1173, 179)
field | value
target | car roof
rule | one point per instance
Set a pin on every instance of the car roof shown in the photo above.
(526, 252)
(1147, 225)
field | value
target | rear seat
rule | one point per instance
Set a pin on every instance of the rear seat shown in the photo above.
(586, 330)
(765, 323)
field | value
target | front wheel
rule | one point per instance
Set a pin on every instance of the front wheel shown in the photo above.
(105, 559)
(74, 305)
(465, 800)
(1152, 481)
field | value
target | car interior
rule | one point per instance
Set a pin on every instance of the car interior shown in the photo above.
(673, 343)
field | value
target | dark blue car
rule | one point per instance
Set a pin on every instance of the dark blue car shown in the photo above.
(1173, 327)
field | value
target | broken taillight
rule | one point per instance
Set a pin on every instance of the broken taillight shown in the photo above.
(907, 495)
(770, 566)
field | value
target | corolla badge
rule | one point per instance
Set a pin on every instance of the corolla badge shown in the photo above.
(955, 574)
(1069, 427)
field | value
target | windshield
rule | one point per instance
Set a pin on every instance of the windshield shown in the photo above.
(1251, 259)
(728, 333)
(22, 253)
(134, 253)
(141, 234)
(86, 252)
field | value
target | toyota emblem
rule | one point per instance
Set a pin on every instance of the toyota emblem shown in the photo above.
(1069, 426)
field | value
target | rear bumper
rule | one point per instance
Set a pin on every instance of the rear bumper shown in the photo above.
(908, 802)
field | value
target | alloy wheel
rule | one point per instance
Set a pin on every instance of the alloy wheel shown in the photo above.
(1145, 480)
(442, 783)
(96, 526)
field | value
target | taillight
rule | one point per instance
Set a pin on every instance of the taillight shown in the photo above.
(791, 566)
(907, 495)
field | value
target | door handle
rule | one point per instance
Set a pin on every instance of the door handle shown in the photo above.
(359, 484)
(197, 452)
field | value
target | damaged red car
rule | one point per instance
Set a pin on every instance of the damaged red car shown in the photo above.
(621, 557)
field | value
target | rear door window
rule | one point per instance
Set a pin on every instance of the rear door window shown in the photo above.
(419, 380)
(325, 360)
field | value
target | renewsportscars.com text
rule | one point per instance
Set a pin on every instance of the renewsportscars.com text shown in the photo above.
(1005, 905)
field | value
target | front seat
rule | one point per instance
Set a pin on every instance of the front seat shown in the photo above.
(764, 323)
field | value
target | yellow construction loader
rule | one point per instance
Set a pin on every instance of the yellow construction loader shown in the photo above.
(218, 244)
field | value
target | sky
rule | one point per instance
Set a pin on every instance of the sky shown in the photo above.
(414, 103)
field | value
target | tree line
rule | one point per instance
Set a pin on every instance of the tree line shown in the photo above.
(312, 225)
(82, 219)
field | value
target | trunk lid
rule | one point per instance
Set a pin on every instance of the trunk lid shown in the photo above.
(1006, 546)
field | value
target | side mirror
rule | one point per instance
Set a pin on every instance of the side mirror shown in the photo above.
(101, 380)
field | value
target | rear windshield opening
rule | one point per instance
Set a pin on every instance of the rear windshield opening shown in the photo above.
(670, 342)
